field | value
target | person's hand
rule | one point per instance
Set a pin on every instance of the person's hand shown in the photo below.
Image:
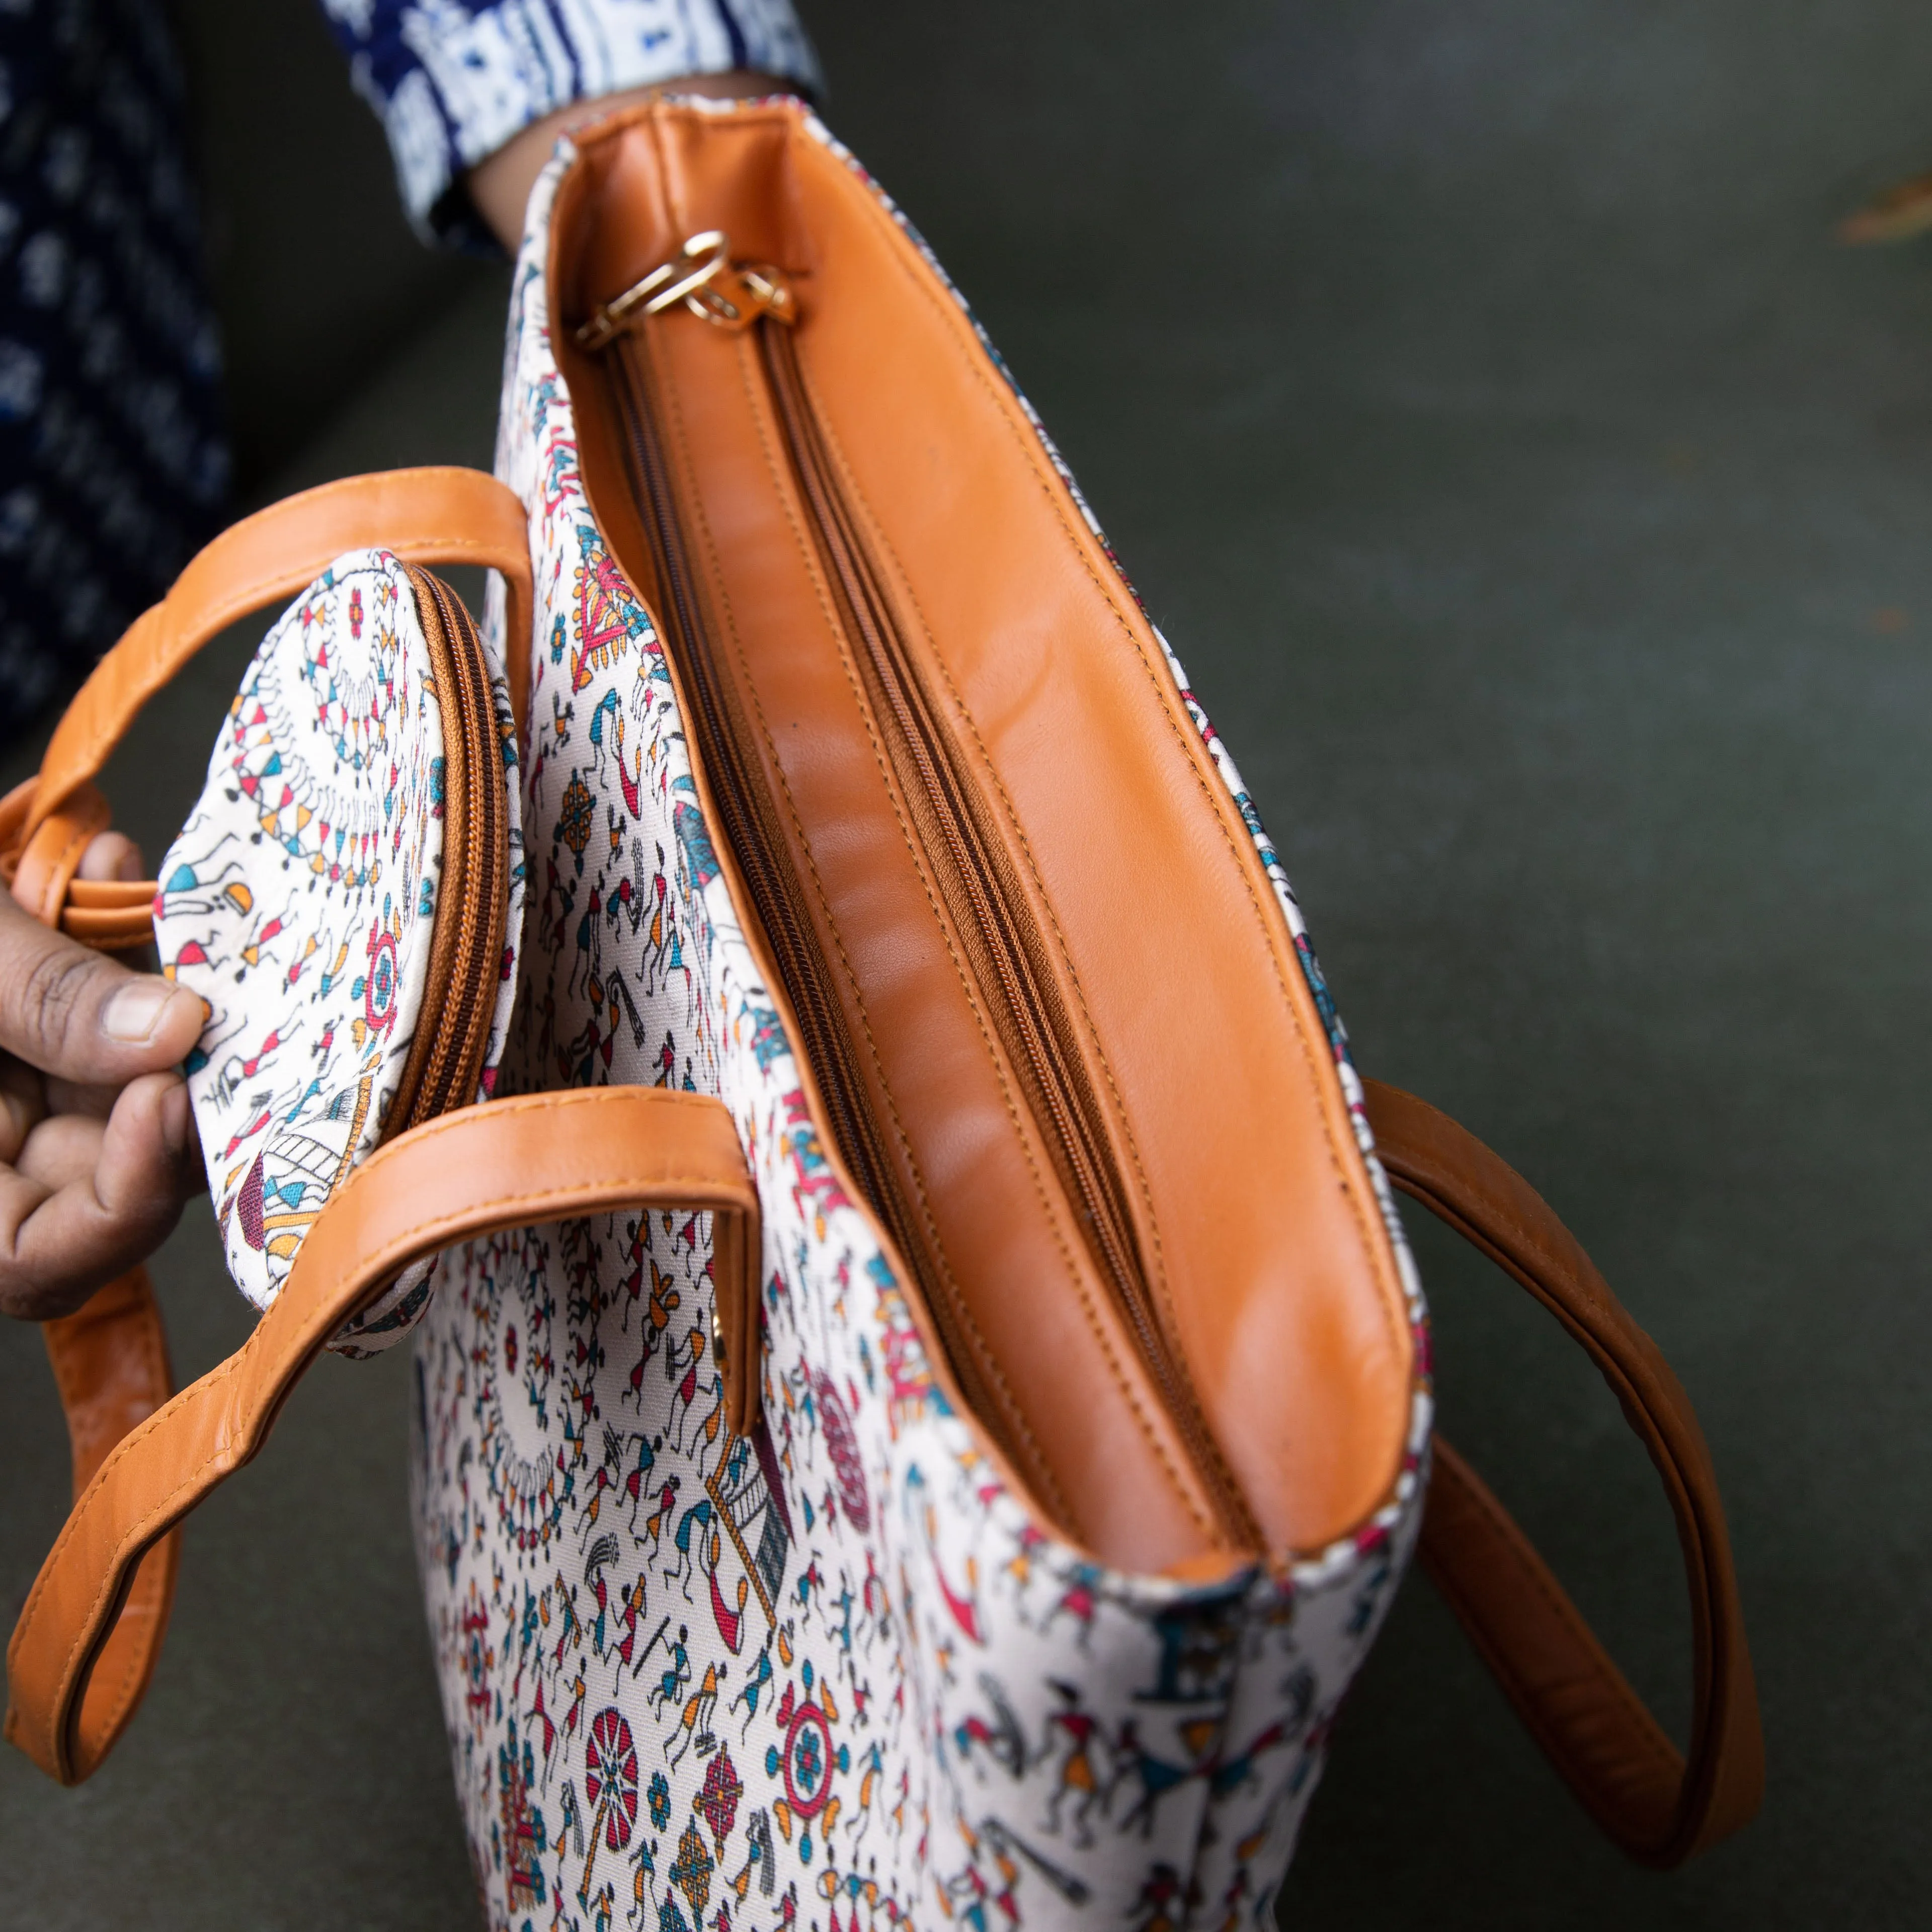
(97, 1152)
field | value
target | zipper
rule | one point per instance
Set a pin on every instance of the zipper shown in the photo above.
(446, 1058)
(1010, 962)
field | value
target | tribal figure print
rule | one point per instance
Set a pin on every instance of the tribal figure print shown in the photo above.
(834, 1676)
(299, 902)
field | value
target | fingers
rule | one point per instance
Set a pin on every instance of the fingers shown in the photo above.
(23, 1103)
(77, 1015)
(112, 855)
(84, 1200)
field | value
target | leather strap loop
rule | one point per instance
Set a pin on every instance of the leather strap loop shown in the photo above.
(110, 1357)
(110, 1363)
(435, 515)
(507, 1164)
(111, 915)
(1659, 1805)
(44, 869)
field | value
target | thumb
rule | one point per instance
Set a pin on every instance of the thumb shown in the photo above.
(77, 1015)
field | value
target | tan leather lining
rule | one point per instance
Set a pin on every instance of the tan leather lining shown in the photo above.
(1277, 1285)
(1044, 1477)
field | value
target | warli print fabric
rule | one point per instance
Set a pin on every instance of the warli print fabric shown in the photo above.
(299, 902)
(835, 1675)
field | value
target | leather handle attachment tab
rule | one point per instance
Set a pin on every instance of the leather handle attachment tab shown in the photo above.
(440, 515)
(508, 1163)
(109, 1357)
(1659, 1805)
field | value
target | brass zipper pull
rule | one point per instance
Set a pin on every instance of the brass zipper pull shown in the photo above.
(703, 276)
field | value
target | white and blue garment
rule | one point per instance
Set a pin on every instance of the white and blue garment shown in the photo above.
(452, 82)
(113, 456)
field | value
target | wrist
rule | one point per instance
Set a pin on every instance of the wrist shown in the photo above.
(500, 185)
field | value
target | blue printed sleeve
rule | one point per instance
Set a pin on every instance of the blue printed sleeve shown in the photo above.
(452, 82)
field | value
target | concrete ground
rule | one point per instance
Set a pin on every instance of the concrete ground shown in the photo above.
(1540, 500)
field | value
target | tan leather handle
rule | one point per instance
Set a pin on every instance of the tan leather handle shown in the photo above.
(1658, 1805)
(506, 1164)
(110, 1363)
(435, 515)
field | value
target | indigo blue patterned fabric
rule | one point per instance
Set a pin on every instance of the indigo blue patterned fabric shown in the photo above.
(452, 82)
(113, 460)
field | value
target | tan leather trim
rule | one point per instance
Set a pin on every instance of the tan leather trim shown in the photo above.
(1278, 1287)
(45, 868)
(111, 915)
(110, 1357)
(434, 515)
(13, 810)
(1659, 1805)
(110, 1363)
(511, 1163)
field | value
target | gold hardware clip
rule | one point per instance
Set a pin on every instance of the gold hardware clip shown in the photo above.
(704, 278)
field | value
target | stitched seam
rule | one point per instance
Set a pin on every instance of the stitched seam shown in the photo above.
(1647, 1412)
(1533, 1572)
(1584, 1323)
(1442, 1185)
(989, 1366)
(974, 1003)
(141, 1660)
(1374, 1237)
(988, 1362)
(1122, 1125)
(54, 889)
(140, 1654)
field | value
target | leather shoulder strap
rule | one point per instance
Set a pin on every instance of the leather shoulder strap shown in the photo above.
(110, 1356)
(506, 1164)
(435, 515)
(110, 1363)
(1659, 1805)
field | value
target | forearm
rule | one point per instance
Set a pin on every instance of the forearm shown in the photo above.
(472, 97)
(500, 185)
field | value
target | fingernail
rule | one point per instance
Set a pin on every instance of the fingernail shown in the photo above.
(134, 1013)
(174, 1119)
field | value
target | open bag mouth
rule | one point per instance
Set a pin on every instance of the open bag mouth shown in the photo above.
(1055, 1025)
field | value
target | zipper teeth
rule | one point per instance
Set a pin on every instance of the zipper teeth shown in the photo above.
(965, 843)
(1030, 1017)
(482, 887)
(756, 840)
(453, 1031)
(1005, 953)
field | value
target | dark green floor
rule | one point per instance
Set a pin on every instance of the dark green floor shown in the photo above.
(1543, 507)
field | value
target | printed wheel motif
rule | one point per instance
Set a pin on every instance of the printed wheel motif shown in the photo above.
(378, 995)
(807, 1762)
(611, 1777)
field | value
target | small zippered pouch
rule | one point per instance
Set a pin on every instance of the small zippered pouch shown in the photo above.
(345, 898)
